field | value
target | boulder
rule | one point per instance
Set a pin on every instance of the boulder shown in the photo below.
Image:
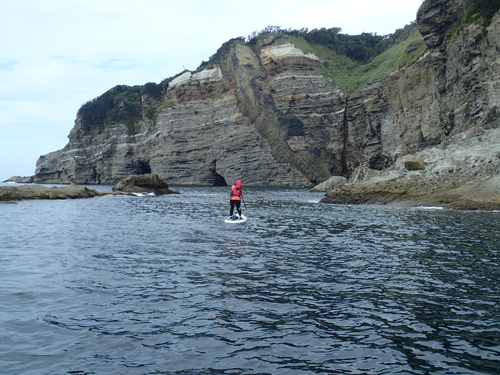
(332, 183)
(415, 163)
(143, 183)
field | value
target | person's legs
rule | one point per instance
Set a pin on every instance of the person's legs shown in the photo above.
(238, 204)
(232, 208)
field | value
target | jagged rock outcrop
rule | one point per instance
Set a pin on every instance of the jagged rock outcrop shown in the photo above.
(445, 110)
(226, 124)
(330, 184)
(461, 173)
(268, 116)
(435, 20)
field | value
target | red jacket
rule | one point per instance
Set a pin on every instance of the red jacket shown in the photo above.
(236, 193)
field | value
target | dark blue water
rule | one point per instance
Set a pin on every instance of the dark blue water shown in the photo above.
(161, 285)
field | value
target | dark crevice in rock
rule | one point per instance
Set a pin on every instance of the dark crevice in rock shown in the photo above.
(143, 167)
(345, 135)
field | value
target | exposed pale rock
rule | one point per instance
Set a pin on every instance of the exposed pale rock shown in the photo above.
(281, 58)
(288, 50)
(463, 174)
(205, 76)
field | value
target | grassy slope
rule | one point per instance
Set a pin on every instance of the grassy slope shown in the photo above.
(352, 76)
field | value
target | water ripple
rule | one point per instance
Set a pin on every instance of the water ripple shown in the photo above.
(160, 285)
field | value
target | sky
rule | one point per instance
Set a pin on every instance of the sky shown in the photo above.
(56, 55)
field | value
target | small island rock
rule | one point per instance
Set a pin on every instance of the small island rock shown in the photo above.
(144, 183)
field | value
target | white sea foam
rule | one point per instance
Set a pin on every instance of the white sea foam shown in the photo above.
(144, 194)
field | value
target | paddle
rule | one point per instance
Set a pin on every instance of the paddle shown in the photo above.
(244, 204)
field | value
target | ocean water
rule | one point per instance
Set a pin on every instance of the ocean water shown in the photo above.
(161, 285)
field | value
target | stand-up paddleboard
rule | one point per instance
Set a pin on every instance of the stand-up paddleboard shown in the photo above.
(235, 219)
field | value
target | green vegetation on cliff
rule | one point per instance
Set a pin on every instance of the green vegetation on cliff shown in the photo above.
(351, 61)
(399, 56)
(475, 11)
(352, 75)
(482, 10)
(120, 105)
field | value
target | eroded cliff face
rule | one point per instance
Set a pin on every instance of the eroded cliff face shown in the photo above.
(453, 88)
(444, 109)
(268, 117)
(264, 118)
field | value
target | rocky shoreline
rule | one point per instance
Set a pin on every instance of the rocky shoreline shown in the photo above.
(460, 174)
(72, 191)
(426, 132)
(128, 186)
(482, 195)
(21, 179)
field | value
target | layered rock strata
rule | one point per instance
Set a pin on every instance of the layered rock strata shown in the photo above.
(227, 123)
(445, 110)
(462, 173)
(268, 117)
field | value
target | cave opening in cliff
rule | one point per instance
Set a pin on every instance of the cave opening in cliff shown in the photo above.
(143, 167)
(219, 180)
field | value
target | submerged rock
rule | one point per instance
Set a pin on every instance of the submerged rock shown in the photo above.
(143, 183)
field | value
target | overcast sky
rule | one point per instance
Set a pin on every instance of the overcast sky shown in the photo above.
(55, 55)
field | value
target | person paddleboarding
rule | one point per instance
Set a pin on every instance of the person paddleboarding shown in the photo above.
(236, 198)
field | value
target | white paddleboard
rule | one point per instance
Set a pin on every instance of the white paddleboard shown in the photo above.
(230, 219)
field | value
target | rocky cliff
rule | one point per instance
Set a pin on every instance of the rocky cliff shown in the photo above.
(269, 115)
(445, 111)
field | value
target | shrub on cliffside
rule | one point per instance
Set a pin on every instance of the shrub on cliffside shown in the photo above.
(475, 11)
(481, 11)
(363, 47)
(121, 104)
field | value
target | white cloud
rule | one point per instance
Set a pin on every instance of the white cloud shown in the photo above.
(58, 54)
